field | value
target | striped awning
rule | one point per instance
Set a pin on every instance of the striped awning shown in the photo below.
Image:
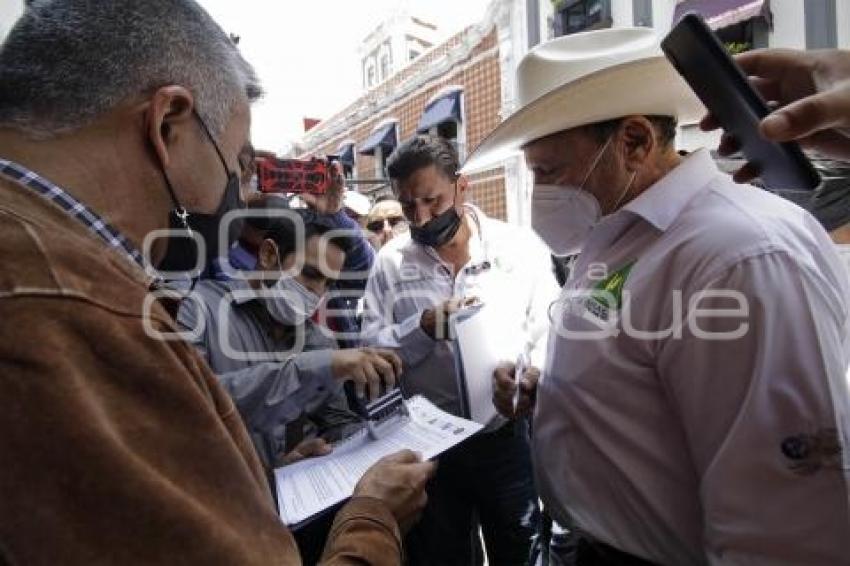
(719, 14)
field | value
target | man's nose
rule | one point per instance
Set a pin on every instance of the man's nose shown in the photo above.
(422, 214)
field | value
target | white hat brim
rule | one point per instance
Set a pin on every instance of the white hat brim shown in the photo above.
(650, 87)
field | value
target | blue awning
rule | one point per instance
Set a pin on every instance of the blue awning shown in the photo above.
(443, 109)
(346, 154)
(384, 137)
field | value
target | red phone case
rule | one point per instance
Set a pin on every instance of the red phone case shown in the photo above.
(293, 176)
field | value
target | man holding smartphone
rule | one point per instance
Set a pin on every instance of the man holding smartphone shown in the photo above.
(693, 407)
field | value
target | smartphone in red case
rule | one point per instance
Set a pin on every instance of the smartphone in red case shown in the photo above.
(293, 176)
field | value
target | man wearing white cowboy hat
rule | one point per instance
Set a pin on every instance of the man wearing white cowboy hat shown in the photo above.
(693, 407)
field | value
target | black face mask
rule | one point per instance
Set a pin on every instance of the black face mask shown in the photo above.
(182, 252)
(439, 230)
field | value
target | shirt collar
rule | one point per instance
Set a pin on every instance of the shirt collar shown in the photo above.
(662, 203)
(242, 258)
(478, 241)
(77, 210)
(238, 284)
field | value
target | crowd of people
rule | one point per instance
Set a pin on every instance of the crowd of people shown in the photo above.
(170, 336)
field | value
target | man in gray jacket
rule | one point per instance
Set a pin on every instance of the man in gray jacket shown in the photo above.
(282, 369)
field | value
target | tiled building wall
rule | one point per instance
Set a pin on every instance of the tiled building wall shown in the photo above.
(487, 191)
(478, 74)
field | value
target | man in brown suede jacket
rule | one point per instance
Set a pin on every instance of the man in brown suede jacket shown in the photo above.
(117, 447)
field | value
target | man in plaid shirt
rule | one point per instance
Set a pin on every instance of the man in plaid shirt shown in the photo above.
(118, 118)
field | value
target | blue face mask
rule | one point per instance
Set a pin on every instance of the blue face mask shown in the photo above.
(242, 259)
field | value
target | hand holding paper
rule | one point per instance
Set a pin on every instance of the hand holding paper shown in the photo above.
(487, 337)
(435, 322)
(310, 448)
(310, 486)
(399, 481)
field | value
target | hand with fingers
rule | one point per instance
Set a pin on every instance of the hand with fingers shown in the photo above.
(435, 322)
(810, 94)
(399, 480)
(505, 398)
(373, 370)
(263, 154)
(331, 201)
(309, 448)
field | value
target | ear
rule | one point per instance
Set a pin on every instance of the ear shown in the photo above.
(462, 186)
(638, 138)
(268, 255)
(169, 111)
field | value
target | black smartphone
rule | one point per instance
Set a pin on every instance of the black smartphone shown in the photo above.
(717, 80)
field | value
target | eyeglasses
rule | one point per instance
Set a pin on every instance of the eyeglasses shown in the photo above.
(393, 221)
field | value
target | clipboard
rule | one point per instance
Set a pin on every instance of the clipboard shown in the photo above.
(313, 487)
(485, 336)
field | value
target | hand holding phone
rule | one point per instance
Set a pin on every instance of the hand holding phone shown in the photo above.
(294, 176)
(704, 63)
(812, 90)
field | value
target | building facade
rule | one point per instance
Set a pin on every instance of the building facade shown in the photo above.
(393, 44)
(480, 63)
(740, 24)
(452, 89)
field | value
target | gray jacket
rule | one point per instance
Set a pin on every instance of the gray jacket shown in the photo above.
(280, 381)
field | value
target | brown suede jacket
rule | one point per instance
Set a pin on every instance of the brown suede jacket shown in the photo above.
(116, 448)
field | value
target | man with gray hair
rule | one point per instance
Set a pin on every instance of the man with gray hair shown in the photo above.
(119, 118)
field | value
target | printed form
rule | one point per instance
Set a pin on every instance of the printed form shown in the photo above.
(310, 486)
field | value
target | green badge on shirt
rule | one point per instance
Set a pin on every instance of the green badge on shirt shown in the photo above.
(608, 293)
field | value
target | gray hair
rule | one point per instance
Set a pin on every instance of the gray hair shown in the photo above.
(66, 62)
(665, 128)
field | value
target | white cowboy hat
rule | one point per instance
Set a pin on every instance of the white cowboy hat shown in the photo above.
(584, 78)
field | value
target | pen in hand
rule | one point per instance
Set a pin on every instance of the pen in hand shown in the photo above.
(522, 364)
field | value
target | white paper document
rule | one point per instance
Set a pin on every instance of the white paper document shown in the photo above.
(310, 486)
(486, 337)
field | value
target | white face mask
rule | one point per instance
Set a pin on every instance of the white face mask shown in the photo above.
(292, 303)
(563, 215)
